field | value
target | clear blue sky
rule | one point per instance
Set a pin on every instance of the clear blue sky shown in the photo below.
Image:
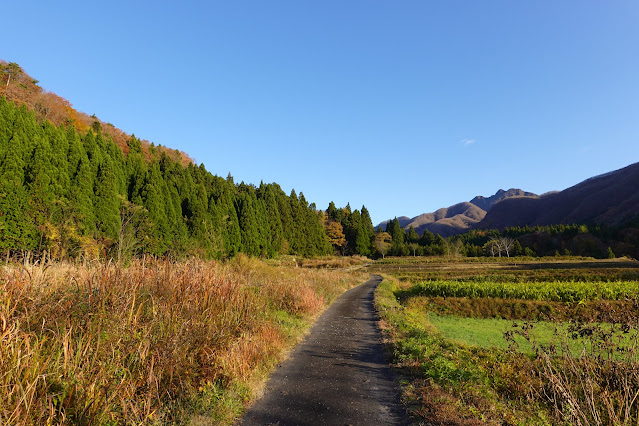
(404, 106)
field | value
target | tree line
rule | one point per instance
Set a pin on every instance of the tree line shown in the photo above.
(69, 193)
(592, 240)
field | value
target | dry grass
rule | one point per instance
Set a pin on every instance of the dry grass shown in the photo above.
(156, 342)
(514, 269)
(324, 262)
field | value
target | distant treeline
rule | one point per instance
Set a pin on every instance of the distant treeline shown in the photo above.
(66, 194)
(579, 240)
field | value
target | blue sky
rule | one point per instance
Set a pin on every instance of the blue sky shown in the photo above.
(404, 106)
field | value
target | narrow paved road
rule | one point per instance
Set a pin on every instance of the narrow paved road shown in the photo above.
(338, 375)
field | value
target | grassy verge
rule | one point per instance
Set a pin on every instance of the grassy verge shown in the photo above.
(450, 383)
(444, 324)
(153, 343)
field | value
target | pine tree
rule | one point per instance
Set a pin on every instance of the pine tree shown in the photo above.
(81, 192)
(412, 236)
(154, 202)
(231, 227)
(59, 145)
(106, 201)
(398, 247)
(271, 212)
(38, 179)
(427, 238)
(16, 229)
(252, 242)
(7, 112)
(296, 237)
(331, 211)
(367, 232)
(286, 217)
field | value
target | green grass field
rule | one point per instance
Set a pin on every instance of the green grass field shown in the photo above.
(448, 320)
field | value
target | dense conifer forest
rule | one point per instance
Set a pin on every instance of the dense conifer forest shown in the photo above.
(69, 193)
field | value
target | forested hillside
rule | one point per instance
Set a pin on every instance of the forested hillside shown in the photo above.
(70, 192)
(22, 89)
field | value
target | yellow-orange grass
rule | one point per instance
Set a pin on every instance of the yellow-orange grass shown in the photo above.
(99, 343)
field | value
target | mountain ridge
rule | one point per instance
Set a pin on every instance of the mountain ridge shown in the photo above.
(459, 217)
(610, 198)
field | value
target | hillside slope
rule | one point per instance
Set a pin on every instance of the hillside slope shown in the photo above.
(20, 88)
(460, 217)
(611, 199)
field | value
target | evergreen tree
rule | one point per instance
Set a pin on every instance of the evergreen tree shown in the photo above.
(154, 202)
(38, 179)
(106, 201)
(59, 148)
(296, 237)
(17, 232)
(81, 193)
(247, 217)
(396, 232)
(366, 237)
(412, 236)
(271, 212)
(427, 238)
(231, 234)
(398, 247)
(331, 211)
(7, 112)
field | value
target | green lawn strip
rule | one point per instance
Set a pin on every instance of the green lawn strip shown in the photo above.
(487, 385)
(489, 332)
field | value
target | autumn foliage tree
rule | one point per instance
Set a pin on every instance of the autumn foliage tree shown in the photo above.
(335, 234)
(383, 241)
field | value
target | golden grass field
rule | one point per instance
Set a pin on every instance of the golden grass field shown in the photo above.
(153, 343)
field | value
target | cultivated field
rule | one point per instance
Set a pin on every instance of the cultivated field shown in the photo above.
(520, 341)
(154, 343)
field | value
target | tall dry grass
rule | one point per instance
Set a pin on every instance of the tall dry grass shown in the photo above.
(98, 344)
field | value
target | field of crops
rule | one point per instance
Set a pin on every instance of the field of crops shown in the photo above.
(539, 341)
(510, 270)
(558, 291)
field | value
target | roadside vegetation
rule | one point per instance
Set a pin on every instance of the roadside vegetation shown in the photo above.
(498, 343)
(158, 342)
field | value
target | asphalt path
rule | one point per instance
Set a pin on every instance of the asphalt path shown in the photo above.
(338, 375)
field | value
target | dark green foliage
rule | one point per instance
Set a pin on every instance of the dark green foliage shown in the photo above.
(412, 236)
(72, 194)
(358, 229)
(17, 231)
(106, 201)
(267, 194)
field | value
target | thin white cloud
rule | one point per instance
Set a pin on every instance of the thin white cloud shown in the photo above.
(467, 142)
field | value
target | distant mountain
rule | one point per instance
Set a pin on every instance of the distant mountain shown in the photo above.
(459, 217)
(611, 198)
(487, 203)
